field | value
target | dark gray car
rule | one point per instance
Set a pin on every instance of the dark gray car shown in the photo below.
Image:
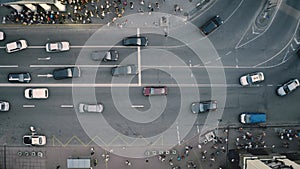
(135, 41)
(111, 55)
(19, 77)
(205, 106)
(124, 70)
(211, 25)
(64, 73)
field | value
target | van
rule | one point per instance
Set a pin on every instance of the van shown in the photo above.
(252, 118)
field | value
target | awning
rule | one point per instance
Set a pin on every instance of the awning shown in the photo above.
(46, 7)
(17, 7)
(60, 6)
(32, 7)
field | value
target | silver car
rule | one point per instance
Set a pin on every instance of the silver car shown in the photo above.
(90, 108)
(288, 87)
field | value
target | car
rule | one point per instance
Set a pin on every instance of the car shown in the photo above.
(135, 41)
(252, 117)
(2, 35)
(57, 46)
(211, 25)
(252, 78)
(288, 87)
(155, 90)
(64, 73)
(124, 70)
(298, 52)
(19, 77)
(90, 108)
(34, 140)
(36, 93)
(4, 106)
(16, 46)
(111, 55)
(204, 106)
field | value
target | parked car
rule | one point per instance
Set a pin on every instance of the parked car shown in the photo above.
(19, 77)
(252, 78)
(155, 90)
(2, 35)
(298, 52)
(57, 46)
(124, 70)
(34, 140)
(64, 73)
(288, 87)
(16, 46)
(4, 106)
(211, 25)
(205, 106)
(36, 93)
(111, 55)
(135, 41)
(90, 108)
(252, 118)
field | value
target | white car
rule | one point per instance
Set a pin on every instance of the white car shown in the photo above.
(34, 140)
(4, 106)
(16, 46)
(288, 87)
(252, 78)
(90, 108)
(36, 93)
(2, 35)
(57, 47)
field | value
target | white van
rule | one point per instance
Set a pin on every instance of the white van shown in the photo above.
(36, 93)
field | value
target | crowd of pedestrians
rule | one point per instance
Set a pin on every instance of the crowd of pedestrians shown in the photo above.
(80, 12)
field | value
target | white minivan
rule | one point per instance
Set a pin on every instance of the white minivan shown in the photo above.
(36, 93)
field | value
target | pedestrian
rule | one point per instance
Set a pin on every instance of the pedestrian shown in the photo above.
(178, 158)
(127, 162)
(147, 160)
(58, 167)
(92, 151)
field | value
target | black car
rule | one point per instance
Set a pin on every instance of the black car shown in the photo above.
(211, 25)
(205, 106)
(19, 77)
(135, 41)
(65, 73)
(111, 55)
(124, 70)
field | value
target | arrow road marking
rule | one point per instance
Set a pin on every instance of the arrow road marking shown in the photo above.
(297, 42)
(46, 58)
(47, 75)
(292, 47)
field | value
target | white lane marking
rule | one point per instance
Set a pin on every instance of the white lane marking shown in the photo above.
(28, 106)
(228, 53)
(253, 32)
(292, 47)
(286, 54)
(137, 106)
(139, 67)
(296, 41)
(46, 58)
(8, 66)
(67, 106)
(237, 62)
(90, 66)
(218, 58)
(36, 47)
(234, 11)
(178, 135)
(270, 85)
(47, 75)
(198, 129)
(138, 32)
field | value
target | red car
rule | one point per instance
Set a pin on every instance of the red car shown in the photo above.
(155, 90)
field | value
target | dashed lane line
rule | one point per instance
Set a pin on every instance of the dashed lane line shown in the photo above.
(67, 106)
(28, 106)
(8, 66)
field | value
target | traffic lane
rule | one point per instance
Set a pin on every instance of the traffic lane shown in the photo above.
(47, 116)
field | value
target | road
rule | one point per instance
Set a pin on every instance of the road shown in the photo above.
(194, 68)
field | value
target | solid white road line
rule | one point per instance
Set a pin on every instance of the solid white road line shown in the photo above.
(137, 106)
(28, 106)
(8, 66)
(90, 66)
(67, 106)
(139, 67)
(178, 135)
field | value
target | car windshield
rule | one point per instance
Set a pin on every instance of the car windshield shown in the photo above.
(128, 69)
(19, 45)
(21, 77)
(40, 140)
(201, 107)
(108, 55)
(69, 72)
(139, 41)
(2, 106)
(249, 79)
(30, 93)
(59, 45)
